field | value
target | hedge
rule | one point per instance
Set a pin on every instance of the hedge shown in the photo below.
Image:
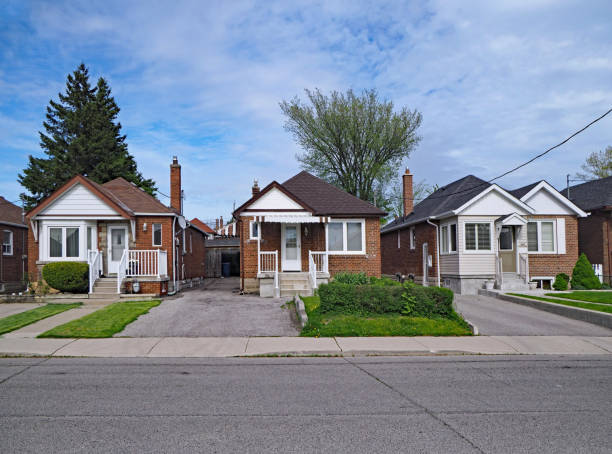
(72, 277)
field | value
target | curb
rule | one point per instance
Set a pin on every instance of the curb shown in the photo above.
(576, 313)
(301, 310)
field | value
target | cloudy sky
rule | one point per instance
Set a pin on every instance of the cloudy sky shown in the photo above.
(496, 82)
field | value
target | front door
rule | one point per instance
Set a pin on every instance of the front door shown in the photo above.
(291, 251)
(507, 251)
(117, 243)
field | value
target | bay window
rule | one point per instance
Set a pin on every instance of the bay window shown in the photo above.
(346, 237)
(478, 236)
(541, 236)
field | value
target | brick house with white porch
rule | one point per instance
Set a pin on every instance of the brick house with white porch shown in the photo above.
(297, 234)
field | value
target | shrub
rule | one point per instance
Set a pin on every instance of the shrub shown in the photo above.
(70, 277)
(583, 275)
(351, 278)
(561, 281)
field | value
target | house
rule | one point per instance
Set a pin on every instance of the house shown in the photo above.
(210, 233)
(471, 231)
(123, 233)
(297, 234)
(222, 250)
(230, 229)
(13, 260)
(595, 231)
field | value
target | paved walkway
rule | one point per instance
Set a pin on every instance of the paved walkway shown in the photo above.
(215, 311)
(15, 308)
(174, 347)
(496, 317)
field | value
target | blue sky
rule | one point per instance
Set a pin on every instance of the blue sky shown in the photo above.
(496, 82)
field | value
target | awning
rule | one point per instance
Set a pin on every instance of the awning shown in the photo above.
(292, 219)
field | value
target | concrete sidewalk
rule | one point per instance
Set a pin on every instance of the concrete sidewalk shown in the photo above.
(206, 347)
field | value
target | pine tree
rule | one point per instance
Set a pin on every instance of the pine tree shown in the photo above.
(82, 136)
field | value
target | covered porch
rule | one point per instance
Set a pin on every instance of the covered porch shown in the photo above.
(511, 258)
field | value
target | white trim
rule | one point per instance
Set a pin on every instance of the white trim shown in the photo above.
(156, 214)
(521, 219)
(398, 240)
(251, 237)
(78, 218)
(539, 230)
(344, 250)
(491, 250)
(109, 246)
(297, 263)
(161, 234)
(448, 238)
(501, 191)
(248, 214)
(551, 190)
(10, 243)
(412, 233)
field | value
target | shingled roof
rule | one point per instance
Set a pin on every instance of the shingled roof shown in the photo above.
(592, 194)
(134, 198)
(10, 213)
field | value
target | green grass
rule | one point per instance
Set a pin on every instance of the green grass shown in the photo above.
(328, 325)
(593, 297)
(592, 306)
(105, 322)
(16, 321)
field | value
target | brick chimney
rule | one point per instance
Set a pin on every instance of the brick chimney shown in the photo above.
(408, 193)
(221, 222)
(217, 224)
(255, 188)
(176, 194)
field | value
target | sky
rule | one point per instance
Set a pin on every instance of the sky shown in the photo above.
(496, 82)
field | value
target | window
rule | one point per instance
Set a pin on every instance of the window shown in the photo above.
(254, 230)
(72, 242)
(506, 240)
(444, 239)
(89, 238)
(541, 236)
(448, 238)
(7, 242)
(157, 234)
(412, 238)
(398, 239)
(55, 242)
(478, 236)
(190, 243)
(64, 242)
(453, 238)
(346, 236)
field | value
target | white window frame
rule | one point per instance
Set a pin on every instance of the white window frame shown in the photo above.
(251, 236)
(64, 256)
(161, 234)
(10, 243)
(478, 251)
(554, 234)
(344, 250)
(412, 238)
(191, 242)
(449, 250)
(398, 239)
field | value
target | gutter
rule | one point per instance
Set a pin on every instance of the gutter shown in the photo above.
(418, 221)
(437, 250)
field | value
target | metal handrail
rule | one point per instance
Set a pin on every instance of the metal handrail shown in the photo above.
(312, 270)
(94, 260)
(122, 270)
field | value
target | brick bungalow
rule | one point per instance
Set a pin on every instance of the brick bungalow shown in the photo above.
(297, 234)
(13, 259)
(595, 231)
(471, 231)
(122, 232)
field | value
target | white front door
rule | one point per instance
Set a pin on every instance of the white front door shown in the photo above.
(291, 251)
(117, 243)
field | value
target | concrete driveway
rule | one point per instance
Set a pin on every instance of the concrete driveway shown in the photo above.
(495, 317)
(215, 311)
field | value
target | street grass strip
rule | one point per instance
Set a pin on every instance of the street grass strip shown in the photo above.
(103, 323)
(591, 306)
(596, 296)
(343, 325)
(16, 321)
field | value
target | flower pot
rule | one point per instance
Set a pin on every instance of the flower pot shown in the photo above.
(489, 285)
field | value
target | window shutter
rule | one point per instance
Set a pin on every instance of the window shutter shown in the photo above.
(560, 236)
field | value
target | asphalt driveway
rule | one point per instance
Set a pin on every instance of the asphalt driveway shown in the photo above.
(215, 311)
(495, 317)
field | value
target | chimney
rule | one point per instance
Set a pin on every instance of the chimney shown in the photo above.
(217, 224)
(221, 222)
(408, 194)
(176, 194)
(255, 188)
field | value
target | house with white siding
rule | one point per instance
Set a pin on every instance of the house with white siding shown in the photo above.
(471, 231)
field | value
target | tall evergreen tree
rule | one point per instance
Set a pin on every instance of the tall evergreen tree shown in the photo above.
(82, 135)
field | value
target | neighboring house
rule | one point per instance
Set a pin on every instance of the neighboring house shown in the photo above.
(595, 231)
(220, 250)
(471, 231)
(121, 231)
(298, 233)
(210, 233)
(14, 236)
(230, 229)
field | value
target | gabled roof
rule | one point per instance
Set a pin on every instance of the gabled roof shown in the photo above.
(10, 213)
(202, 226)
(545, 185)
(592, 194)
(319, 197)
(520, 192)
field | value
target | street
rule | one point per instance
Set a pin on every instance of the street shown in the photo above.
(365, 404)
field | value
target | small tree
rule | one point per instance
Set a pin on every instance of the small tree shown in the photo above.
(583, 275)
(598, 165)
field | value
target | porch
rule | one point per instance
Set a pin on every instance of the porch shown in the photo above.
(511, 258)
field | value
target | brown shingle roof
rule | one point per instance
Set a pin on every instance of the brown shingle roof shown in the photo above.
(134, 198)
(202, 226)
(10, 213)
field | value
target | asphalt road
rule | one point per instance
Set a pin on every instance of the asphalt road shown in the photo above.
(496, 317)
(400, 404)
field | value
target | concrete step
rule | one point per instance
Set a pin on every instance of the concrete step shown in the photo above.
(295, 292)
(105, 284)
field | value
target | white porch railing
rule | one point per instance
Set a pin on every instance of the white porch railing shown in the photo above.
(142, 262)
(499, 272)
(94, 260)
(268, 263)
(122, 270)
(524, 267)
(317, 263)
(598, 269)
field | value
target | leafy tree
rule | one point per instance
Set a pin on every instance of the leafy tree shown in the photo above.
(583, 275)
(354, 142)
(598, 165)
(82, 135)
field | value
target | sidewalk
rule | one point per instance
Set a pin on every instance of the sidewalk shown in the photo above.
(203, 347)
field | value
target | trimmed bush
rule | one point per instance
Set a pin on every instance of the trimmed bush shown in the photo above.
(352, 278)
(561, 281)
(583, 275)
(72, 277)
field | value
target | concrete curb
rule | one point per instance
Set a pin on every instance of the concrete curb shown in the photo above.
(473, 328)
(576, 313)
(301, 311)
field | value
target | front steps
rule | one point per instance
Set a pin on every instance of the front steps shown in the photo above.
(105, 288)
(512, 281)
(292, 284)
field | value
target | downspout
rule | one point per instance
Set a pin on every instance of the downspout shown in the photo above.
(173, 292)
(437, 249)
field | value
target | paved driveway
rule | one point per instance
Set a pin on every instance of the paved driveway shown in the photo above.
(502, 318)
(216, 311)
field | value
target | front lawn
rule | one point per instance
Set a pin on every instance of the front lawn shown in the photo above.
(591, 306)
(592, 296)
(16, 321)
(339, 324)
(105, 322)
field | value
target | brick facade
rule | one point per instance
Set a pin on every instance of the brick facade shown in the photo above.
(405, 260)
(13, 267)
(595, 240)
(552, 264)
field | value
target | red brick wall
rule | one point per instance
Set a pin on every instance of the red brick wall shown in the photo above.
(553, 264)
(370, 263)
(11, 266)
(403, 259)
(195, 258)
(155, 288)
(595, 238)
(144, 240)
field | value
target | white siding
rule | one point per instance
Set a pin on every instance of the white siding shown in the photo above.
(476, 263)
(493, 204)
(544, 203)
(78, 200)
(275, 200)
(449, 264)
